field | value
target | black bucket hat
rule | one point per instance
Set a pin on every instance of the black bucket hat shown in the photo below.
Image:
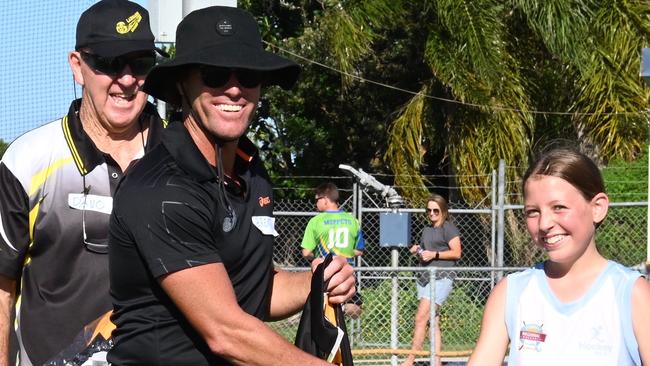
(112, 28)
(224, 37)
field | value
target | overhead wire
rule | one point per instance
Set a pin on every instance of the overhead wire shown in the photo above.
(447, 100)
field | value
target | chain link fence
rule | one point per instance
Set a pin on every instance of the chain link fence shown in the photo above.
(494, 242)
(382, 335)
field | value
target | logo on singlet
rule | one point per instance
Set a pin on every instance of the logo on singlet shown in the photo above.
(598, 343)
(532, 336)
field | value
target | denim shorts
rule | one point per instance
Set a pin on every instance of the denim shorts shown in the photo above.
(443, 289)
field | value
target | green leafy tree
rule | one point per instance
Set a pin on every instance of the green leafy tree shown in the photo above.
(489, 80)
(3, 147)
(506, 60)
(329, 118)
(481, 70)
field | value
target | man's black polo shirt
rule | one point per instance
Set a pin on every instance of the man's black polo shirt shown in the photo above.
(167, 217)
(53, 183)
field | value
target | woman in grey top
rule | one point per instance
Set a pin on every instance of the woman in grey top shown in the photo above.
(440, 247)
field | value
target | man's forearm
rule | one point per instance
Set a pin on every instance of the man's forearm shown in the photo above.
(290, 291)
(7, 297)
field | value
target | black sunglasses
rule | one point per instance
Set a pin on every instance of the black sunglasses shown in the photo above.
(434, 210)
(113, 66)
(217, 77)
(99, 248)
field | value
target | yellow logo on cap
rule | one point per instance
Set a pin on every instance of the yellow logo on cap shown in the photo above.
(131, 24)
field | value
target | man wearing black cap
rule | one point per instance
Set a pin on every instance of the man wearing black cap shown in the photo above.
(56, 186)
(191, 236)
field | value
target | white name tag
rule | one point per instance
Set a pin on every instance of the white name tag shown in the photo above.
(92, 202)
(266, 224)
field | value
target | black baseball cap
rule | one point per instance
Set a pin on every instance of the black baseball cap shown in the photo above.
(219, 36)
(112, 28)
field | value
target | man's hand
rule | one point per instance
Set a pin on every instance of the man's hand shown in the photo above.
(341, 279)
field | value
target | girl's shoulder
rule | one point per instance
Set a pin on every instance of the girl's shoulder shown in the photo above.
(624, 276)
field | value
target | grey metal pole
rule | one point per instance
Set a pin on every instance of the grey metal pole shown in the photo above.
(394, 305)
(432, 314)
(501, 215)
(493, 219)
(355, 324)
(645, 74)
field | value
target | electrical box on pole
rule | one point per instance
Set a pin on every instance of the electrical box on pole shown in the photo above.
(395, 229)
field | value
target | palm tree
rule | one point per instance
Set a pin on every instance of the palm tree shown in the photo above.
(495, 68)
(588, 49)
(490, 79)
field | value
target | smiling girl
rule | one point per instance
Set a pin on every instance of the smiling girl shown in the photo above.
(577, 307)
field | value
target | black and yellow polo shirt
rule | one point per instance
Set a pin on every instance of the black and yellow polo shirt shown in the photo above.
(168, 217)
(53, 182)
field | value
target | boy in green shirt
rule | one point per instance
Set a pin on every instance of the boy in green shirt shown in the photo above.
(335, 231)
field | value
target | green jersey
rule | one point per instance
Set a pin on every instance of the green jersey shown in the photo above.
(333, 231)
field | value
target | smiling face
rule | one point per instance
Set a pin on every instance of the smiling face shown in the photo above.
(114, 101)
(225, 111)
(434, 213)
(559, 218)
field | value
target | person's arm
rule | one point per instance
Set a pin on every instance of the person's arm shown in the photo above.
(289, 293)
(290, 289)
(641, 318)
(417, 248)
(308, 243)
(493, 339)
(414, 249)
(307, 254)
(206, 298)
(453, 254)
(360, 245)
(15, 241)
(7, 297)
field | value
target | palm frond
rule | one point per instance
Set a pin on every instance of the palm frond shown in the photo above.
(405, 149)
(350, 30)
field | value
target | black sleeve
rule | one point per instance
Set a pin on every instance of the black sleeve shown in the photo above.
(14, 223)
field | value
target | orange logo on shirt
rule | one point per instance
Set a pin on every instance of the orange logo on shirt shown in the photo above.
(264, 201)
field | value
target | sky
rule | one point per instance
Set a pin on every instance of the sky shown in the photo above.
(36, 84)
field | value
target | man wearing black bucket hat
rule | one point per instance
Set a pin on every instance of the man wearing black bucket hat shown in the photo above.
(56, 186)
(191, 237)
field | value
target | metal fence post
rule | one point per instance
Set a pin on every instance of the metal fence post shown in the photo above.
(500, 215)
(645, 75)
(432, 314)
(648, 207)
(493, 217)
(394, 306)
(356, 210)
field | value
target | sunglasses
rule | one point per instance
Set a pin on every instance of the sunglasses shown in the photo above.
(434, 210)
(319, 198)
(102, 246)
(217, 77)
(113, 66)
